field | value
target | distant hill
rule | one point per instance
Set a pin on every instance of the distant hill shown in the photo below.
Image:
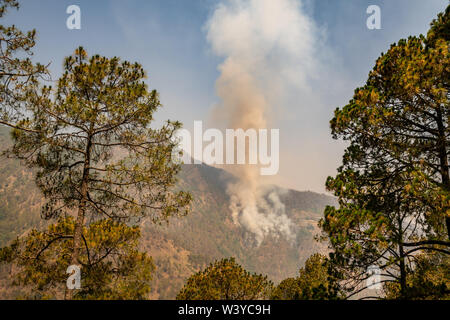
(186, 244)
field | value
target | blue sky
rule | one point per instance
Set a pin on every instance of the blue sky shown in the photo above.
(169, 38)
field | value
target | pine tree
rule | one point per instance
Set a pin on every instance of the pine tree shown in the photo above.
(17, 71)
(316, 281)
(393, 186)
(94, 150)
(225, 280)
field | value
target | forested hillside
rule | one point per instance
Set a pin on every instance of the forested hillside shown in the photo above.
(186, 244)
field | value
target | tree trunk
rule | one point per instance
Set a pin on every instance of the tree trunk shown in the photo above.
(79, 223)
(402, 256)
(403, 288)
(442, 147)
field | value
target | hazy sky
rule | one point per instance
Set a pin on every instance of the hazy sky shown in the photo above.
(169, 37)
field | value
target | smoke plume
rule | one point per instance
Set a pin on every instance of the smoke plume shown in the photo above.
(267, 46)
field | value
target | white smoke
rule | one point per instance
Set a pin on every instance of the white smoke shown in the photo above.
(258, 215)
(267, 45)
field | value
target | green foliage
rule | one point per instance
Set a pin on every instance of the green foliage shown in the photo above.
(315, 282)
(430, 280)
(440, 28)
(17, 71)
(225, 280)
(112, 266)
(394, 186)
(288, 289)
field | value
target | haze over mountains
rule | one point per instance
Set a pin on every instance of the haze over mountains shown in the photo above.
(186, 244)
